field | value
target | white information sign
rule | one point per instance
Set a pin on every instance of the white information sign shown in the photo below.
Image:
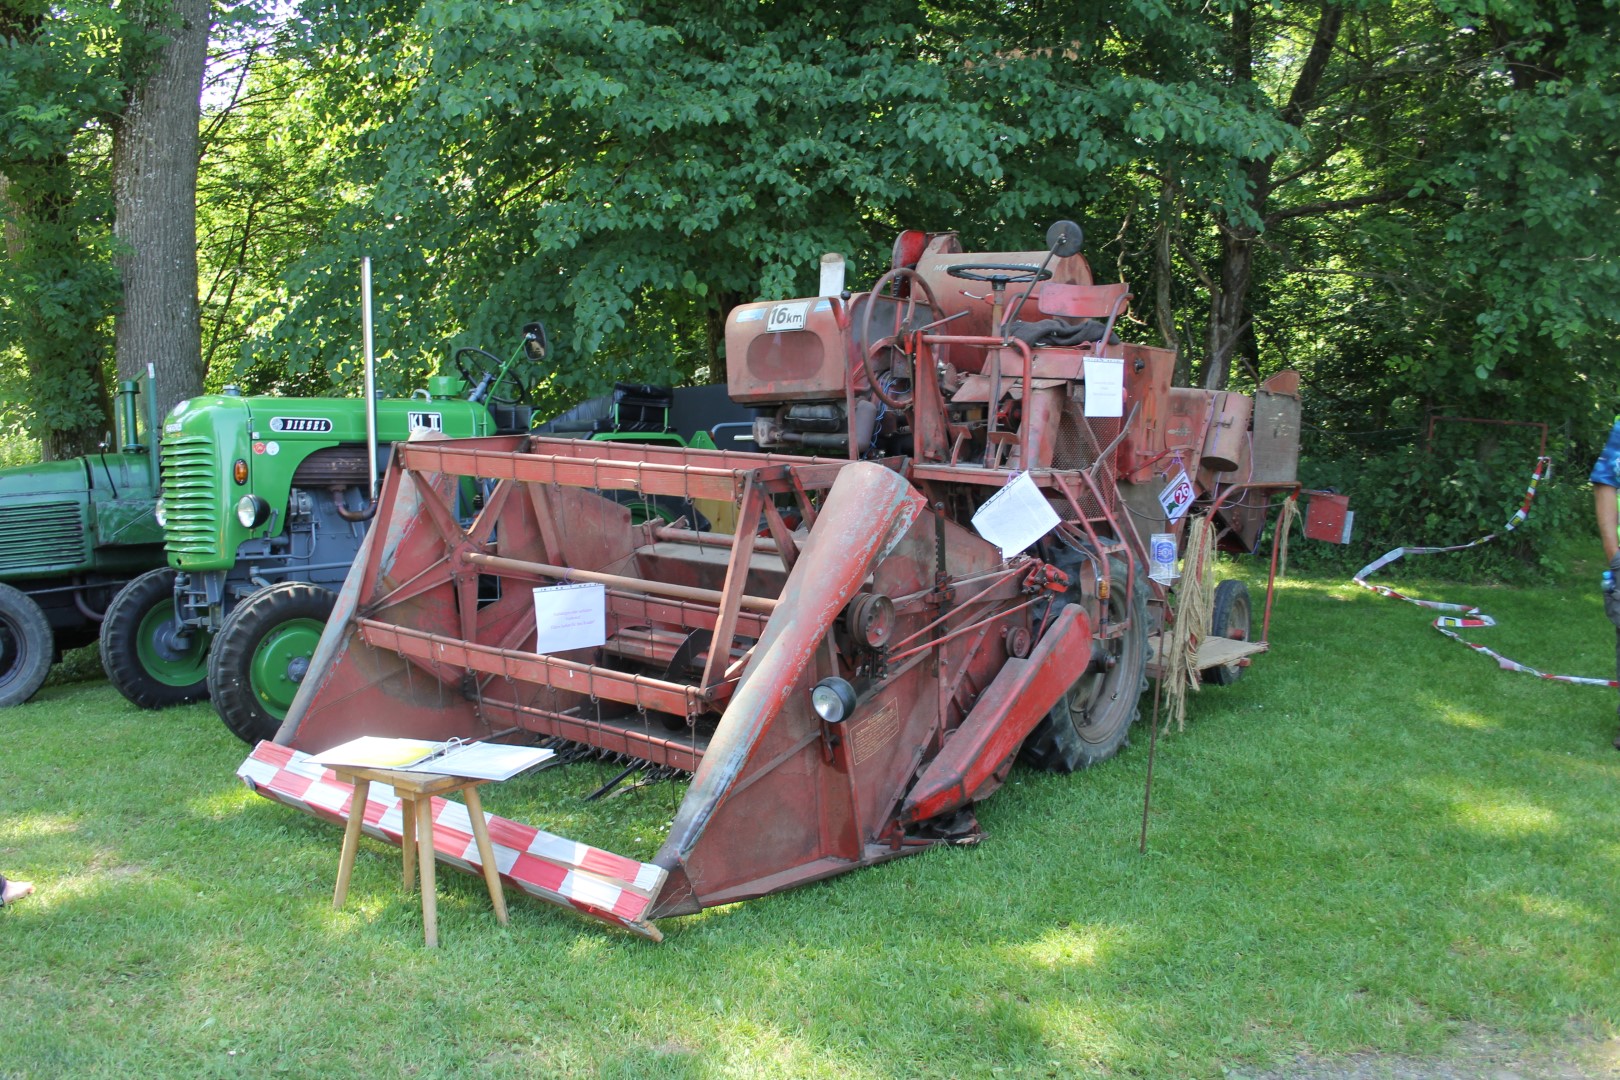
(1016, 516)
(1176, 496)
(787, 317)
(1105, 386)
(570, 617)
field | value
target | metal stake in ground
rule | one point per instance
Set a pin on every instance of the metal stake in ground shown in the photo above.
(1153, 743)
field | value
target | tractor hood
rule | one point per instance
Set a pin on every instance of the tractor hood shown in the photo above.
(218, 448)
(51, 480)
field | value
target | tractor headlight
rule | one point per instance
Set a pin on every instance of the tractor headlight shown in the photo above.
(161, 513)
(252, 511)
(833, 699)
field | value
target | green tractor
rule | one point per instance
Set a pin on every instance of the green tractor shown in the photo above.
(265, 501)
(72, 533)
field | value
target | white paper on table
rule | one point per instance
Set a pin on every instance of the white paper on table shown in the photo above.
(569, 617)
(482, 760)
(1105, 386)
(1016, 516)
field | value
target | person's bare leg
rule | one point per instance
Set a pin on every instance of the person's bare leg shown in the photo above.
(11, 891)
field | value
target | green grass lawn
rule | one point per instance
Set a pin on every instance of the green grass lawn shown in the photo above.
(1373, 841)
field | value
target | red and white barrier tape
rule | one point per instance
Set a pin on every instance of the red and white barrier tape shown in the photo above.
(1472, 616)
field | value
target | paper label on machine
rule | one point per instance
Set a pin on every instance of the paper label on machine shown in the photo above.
(569, 617)
(1016, 516)
(1176, 496)
(1105, 386)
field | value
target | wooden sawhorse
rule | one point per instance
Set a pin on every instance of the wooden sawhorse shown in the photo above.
(416, 792)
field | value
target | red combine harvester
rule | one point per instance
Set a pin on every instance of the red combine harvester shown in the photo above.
(854, 668)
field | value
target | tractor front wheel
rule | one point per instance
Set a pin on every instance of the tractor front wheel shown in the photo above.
(1091, 721)
(26, 646)
(143, 650)
(262, 655)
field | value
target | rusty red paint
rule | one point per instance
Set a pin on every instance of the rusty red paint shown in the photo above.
(715, 641)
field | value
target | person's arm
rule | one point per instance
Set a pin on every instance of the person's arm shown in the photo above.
(1608, 519)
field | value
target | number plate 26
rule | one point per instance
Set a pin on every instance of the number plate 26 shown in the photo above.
(1176, 496)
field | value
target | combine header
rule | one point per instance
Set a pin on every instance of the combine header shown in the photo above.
(856, 667)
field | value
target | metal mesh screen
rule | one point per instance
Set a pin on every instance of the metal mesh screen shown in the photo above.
(1093, 435)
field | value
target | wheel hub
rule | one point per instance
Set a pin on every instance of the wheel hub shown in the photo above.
(280, 663)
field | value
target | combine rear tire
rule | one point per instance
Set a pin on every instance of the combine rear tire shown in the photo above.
(140, 651)
(26, 646)
(262, 655)
(1229, 618)
(1092, 720)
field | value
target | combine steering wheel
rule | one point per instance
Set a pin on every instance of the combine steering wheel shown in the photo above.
(999, 275)
(903, 325)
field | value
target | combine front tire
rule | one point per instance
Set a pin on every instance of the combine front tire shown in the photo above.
(1229, 618)
(1091, 721)
(262, 655)
(26, 646)
(142, 650)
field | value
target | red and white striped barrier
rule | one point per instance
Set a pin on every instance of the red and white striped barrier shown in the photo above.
(613, 888)
(1472, 616)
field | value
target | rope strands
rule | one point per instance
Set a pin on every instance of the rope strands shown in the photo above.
(1285, 524)
(1196, 597)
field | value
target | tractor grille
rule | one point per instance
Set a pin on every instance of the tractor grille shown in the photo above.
(190, 486)
(41, 536)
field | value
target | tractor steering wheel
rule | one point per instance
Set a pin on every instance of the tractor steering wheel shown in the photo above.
(487, 369)
(999, 274)
(479, 368)
(903, 320)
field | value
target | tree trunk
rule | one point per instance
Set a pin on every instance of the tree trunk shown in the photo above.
(1164, 311)
(155, 192)
(1229, 316)
(1228, 304)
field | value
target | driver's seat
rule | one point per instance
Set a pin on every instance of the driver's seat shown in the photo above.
(1086, 302)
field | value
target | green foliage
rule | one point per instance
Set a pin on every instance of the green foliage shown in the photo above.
(1433, 211)
(60, 79)
(1447, 486)
(593, 164)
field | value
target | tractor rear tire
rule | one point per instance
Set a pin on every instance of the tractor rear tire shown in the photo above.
(139, 651)
(1229, 618)
(262, 654)
(26, 646)
(1093, 719)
